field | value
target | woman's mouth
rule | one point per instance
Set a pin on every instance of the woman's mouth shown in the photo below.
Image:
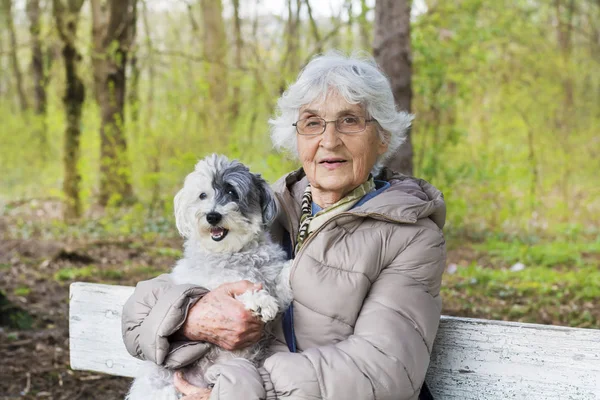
(332, 163)
(218, 233)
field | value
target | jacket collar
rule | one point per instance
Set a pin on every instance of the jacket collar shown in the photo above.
(407, 200)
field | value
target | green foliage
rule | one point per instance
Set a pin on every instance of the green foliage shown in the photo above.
(88, 273)
(577, 283)
(12, 316)
(491, 131)
(565, 254)
(71, 274)
(165, 251)
(22, 291)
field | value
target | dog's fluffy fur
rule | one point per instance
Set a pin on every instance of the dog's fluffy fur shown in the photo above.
(223, 211)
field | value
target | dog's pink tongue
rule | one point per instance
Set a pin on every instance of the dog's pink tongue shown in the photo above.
(217, 231)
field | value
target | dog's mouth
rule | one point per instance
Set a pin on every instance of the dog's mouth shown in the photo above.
(218, 233)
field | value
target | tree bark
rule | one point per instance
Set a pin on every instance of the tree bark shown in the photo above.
(565, 118)
(37, 57)
(237, 29)
(365, 40)
(314, 28)
(391, 47)
(66, 17)
(215, 52)
(7, 9)
(112, 33)
(134, 96)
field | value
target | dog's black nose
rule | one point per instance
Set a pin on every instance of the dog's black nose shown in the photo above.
(213, 218)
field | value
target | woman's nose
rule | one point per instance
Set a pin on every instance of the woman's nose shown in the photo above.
(330, 138)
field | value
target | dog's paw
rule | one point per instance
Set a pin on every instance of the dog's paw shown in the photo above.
(261, 303)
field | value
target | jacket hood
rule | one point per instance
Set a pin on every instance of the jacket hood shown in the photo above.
(405, 201)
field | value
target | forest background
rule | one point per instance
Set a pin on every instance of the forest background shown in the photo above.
(105, 106)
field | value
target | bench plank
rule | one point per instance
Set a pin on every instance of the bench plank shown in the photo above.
(480, 359)
(471, 358)
(95, 339)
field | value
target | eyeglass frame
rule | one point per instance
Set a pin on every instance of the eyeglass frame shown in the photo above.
(295, 124)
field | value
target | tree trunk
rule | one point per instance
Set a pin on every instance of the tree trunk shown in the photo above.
(134, 95)
(290, 61)
(237, 29)
(7, 10)
(565, 119)
(391, 47)
(112, 33)
(214, 52)
(40, 77)
(365, 40)
(66, 18)
(37, 57)
(314, 28)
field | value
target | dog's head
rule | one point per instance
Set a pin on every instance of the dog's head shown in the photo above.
(223, 205)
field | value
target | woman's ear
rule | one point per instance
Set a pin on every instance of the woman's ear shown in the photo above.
(268, 204)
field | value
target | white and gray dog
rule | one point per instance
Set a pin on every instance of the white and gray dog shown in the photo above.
(223, 211)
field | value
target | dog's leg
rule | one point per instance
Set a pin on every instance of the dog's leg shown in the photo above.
(283, 289)
(261, 303)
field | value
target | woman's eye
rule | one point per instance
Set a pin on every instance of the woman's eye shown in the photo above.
(350, 120)
(203, 196)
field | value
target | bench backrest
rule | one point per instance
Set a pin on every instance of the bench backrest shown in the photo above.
(471, 359)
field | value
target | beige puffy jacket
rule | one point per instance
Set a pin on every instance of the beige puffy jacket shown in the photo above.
(366, 303)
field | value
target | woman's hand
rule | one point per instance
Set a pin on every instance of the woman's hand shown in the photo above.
(190, 391)
(220, 319)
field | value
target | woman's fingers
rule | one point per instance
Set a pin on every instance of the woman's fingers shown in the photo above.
(240, 287)
(220, 319)
(198, 396)
(187, 388)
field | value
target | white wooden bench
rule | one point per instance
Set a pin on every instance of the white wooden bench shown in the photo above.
(472, 358)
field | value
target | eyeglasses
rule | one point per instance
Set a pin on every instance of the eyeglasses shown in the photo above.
(347, 124)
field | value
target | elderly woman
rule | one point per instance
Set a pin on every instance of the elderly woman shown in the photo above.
(368, 256)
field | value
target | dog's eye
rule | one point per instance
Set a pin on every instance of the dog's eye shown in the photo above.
(203, 196)
(232, 193)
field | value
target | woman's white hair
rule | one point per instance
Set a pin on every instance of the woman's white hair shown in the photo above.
(358, 80)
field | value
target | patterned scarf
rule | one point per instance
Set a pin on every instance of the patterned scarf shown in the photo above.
(310, 223)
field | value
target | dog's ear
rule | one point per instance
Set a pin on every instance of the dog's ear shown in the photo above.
(268, 204)
(184, 225)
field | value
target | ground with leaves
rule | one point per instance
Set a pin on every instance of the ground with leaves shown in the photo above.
(532, 280)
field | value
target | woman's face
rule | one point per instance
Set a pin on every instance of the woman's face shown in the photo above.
(336, 163)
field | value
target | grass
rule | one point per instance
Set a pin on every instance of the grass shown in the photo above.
(89, 272)
(577, 284)
(560, 283)
(548, 254)
(116, 274)
(22, 291)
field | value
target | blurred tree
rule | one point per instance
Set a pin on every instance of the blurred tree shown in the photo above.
(237, 59)
(37, 56)
(391, 47)
(40, 74)
(565, 10)
(289, 63)
(66, 16)
(7, 11)
(112, 35)
(363, 25)
(134, 95)
(314, 28)
(215, 53)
